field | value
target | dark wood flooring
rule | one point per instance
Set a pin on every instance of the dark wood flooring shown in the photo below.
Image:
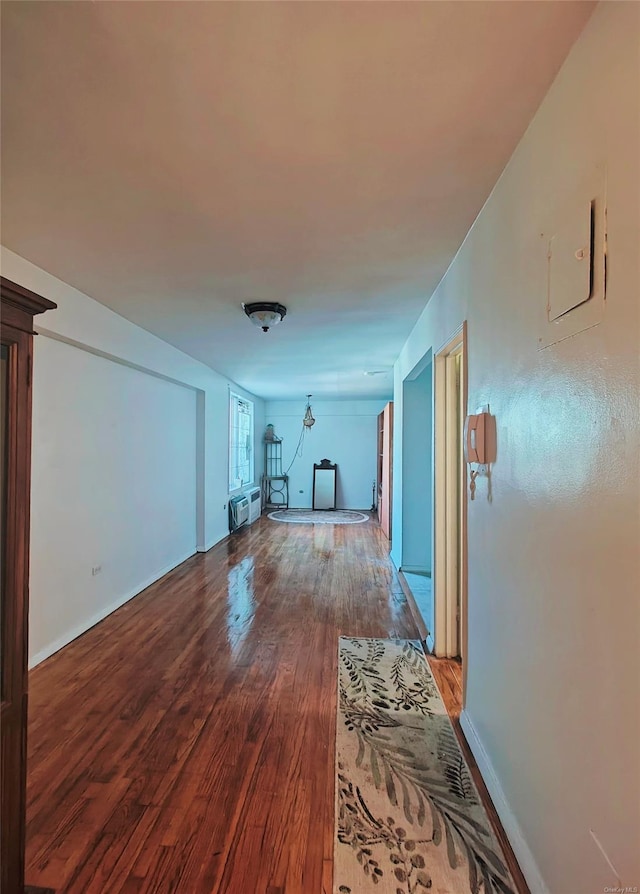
(185, 744)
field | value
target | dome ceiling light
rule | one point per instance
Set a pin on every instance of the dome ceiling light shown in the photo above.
(265, 314)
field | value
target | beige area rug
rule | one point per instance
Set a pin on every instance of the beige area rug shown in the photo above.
(319, 516)
(408, 815)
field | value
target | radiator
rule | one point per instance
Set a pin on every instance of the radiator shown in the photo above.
(238, 512)
(255, 504)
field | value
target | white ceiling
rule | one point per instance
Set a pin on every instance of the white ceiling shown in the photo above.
(174, 159)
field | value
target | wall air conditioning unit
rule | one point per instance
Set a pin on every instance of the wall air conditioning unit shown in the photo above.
(255, 504)
(238, 512)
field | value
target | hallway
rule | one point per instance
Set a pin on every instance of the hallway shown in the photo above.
(185, 744)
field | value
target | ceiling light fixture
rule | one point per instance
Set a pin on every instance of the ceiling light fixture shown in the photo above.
(308, 420)
(265, 314)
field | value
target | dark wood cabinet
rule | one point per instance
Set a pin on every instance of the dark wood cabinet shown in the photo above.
(19, 306)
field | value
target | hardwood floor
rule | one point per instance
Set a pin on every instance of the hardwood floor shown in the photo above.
(185, 744)
(448, 674)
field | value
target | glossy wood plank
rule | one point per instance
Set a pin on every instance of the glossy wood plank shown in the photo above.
(448, 675)
(186, 743)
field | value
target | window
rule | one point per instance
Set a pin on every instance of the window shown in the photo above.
(240, 442)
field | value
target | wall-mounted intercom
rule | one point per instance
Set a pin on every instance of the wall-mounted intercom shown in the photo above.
(480, 446)
(475, 428)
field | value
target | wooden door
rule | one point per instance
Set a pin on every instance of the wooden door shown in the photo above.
(18, 308)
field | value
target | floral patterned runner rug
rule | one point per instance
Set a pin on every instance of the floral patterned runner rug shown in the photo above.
(408, 814)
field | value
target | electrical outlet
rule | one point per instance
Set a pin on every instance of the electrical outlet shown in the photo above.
(224, 505)
(95, 569)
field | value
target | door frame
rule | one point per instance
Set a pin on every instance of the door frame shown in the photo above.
(450, 505)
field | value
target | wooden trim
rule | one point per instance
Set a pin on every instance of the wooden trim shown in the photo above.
(23, 299)
(19, 305)
(17, 319)
(14, 606)
(388, 465)
(452, 500)
(439, 503)
(445, 503)
(385, 469)
(464, 533)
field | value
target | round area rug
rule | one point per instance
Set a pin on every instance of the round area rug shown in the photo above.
(319, 516)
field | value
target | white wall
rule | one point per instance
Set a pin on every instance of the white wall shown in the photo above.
(114, 478)
(102, 353)
(345, 432)
(552, 707)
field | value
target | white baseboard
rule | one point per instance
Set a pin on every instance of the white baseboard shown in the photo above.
(104, 612)
(207, 546)
(510, 824)
(416, 569)
(418, 620)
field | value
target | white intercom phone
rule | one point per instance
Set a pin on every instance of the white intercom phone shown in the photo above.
(475, 432)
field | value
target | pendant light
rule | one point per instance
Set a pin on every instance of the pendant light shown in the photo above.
(308, 420)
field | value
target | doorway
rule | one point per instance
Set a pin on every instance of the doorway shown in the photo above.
(417, 491)
(450, 516)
